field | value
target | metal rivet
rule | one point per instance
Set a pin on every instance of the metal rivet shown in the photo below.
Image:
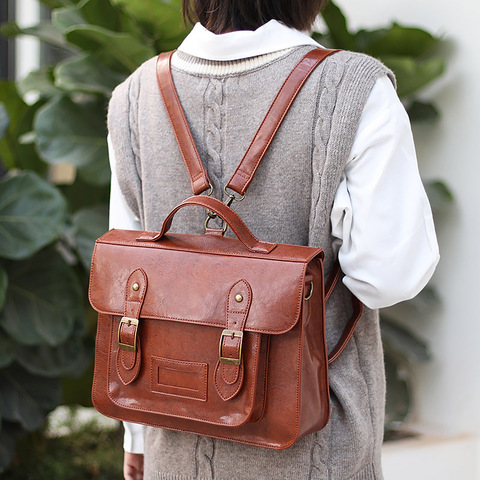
(135, 286)
(238, 297)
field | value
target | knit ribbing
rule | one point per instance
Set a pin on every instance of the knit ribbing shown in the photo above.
(199, 66)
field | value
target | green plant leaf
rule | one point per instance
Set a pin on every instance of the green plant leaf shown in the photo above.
(8, 349)
(337, 27)
(88, 225)
(422, 112)
(8, 434)
(12, 152)
(3, 286)
(97, 174)
(399, 398)
(55, 3)
(427, 299)
(412, 74)
(4, 120)
(44, 298)
(68, 132)
(65, 18)
(402, 341)
(39, 81)
(86, 74)
(46, 32)
(101, 13)
(32, 213)
(26, 398)
(52, 361)
(118, 51)
(161, 20)
(439, 194)
(80, 194)
(396, 40)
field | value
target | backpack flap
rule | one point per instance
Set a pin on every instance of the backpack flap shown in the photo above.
(185, 323)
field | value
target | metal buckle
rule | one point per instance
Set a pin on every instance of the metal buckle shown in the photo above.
(232, 334)
(310, 293)
(125, 346)
(232, 197)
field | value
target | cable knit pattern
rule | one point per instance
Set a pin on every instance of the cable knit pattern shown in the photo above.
(213, 101)
(204, 453)
(289, 201)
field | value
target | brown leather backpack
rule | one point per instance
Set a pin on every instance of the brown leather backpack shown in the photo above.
(212, 335)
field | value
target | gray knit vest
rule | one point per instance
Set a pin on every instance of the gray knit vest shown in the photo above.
(289, 201)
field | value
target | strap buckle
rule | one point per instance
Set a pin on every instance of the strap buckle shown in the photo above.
(125, 346)
(232, 334)
(232, 197)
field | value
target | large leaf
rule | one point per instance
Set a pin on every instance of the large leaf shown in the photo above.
(101, 13)
(439, 194)
(52, 361)
(427, 299)
(399, 398)
(3, 286)
(55, 3)
(39, 81)
(86, 74)
(80, 194)
(161, 20)
(4, 120)
(337, 27)
(8, 349)
(8, 433)
(32, 214)
(65, 18)
(13, 153)
(44, 299)
(68, 132)
(119, 51)
(94, 12)
(26, 398)
(88, 225)
(403, 342)
(396, 40)
(46, 32)
(411, 74)
(422, 112)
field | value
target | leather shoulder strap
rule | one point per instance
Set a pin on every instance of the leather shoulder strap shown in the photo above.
(197, 173)
(352, 322)
(245, 171)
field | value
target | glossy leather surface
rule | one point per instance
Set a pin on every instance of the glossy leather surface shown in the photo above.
(199, 285)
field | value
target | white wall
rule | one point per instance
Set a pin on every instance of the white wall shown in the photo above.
(27, 51)
(448, 387)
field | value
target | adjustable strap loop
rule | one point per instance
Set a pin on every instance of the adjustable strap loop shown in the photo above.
(129, 349)
(352, 322)
(229, 370)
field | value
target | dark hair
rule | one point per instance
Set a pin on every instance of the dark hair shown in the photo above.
(220, 16)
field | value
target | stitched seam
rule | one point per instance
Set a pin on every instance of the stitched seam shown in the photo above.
(282, 116)
(196, 155)
(203, 366)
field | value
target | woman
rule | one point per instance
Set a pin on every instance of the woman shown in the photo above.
(341, 174)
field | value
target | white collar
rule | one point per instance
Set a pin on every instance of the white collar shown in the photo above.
(270, 37)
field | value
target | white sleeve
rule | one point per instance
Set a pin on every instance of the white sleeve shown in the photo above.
(122, 217)
(381, 218)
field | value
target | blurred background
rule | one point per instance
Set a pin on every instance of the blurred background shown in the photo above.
(59, 61)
